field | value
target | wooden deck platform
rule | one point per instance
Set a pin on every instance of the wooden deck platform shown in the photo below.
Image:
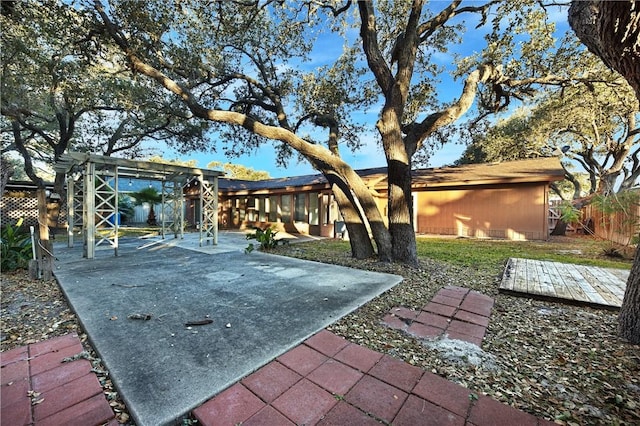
(578, 284)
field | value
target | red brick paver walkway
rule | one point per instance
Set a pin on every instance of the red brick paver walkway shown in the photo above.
(457, 312)
(329, 381)
(39, 389)
(326, 380)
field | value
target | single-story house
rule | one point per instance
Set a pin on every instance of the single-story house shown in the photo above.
(500, 200)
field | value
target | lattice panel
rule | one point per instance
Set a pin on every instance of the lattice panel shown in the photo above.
(172, 208)
(78, 196)
(13, 208)
(106, 208)
(209, 203)
(25, 205)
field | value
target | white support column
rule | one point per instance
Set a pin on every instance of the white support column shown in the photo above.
(201, 203)
(116, 216)
(88, 211)
(216, 196)
(106, 208)
(70, 210)
(163, 209)
(179, 207)
(172, 208)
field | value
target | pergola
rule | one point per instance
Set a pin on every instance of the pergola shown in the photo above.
(92, 197)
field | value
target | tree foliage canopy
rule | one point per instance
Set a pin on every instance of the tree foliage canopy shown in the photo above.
(237, 171)
(593, 128)
(60, 91)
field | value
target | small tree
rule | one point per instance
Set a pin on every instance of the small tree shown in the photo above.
(148, 195)
(125, 207)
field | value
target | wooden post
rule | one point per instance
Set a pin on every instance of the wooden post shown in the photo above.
(45, 248)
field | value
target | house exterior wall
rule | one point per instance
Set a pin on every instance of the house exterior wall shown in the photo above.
(307, 212)
(515, 212)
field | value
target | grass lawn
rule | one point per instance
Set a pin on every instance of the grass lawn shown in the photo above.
(493, 254)
(582, 250)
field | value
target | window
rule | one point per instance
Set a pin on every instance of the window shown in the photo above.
(273, 208)
(326, 209)
(251, 209)
(313, 209)
(285, 208)
(240, 205)
(300, 211)
(262, 217)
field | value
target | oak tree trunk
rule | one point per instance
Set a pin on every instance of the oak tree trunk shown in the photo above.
(560, 228)
(611, 30)
(381, 235)
(629, 318)
(361, 246)
(403, 236)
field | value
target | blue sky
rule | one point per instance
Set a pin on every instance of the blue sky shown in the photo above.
(371, 155)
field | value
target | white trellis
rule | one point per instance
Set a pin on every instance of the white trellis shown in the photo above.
(209, 209)
(172, 208)
(94, 203)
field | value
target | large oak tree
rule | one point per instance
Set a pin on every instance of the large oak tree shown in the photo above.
(595, 132)
(611, 30)
(242, 64)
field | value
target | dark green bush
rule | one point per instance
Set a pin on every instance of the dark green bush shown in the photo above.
(16, 247)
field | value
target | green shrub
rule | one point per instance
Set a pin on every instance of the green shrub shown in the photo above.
(16, 247)
(266, 238)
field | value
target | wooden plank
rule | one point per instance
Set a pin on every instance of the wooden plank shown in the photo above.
(590, 285)
(572, 279)
(533, 284)
(606, 298)
(606, 287)
(508, 277)
(592, 296)
(546, 286)
(608, 284)
(519, 276)
(527, 279)
(557, 280)
(611, 281)
(622, 274)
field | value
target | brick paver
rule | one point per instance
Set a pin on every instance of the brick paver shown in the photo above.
(456, 312)
(356, 386)
(39, 389)
(271, 381)
(326, 381)
(305, 403)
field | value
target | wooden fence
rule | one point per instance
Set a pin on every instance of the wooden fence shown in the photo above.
(620, 228)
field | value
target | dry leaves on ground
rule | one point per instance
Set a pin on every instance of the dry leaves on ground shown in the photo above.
(556, 361)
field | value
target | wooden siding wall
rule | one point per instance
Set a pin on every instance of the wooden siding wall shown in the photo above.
(516, 212)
